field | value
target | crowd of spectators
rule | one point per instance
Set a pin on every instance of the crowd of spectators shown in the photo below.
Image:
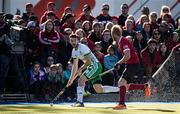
(44, 67)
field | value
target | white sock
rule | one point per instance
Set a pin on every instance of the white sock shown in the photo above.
(108, 89)
(80, 93)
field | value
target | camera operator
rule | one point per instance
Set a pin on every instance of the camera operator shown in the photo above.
(9, 67)
(4, 52)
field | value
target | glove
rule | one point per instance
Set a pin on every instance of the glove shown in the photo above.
(117, 66)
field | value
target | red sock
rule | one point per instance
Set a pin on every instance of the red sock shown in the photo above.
(136, 87)
(122, 94)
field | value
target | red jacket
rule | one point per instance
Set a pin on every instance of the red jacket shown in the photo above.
(161, 58)
(90, 44)
(171, 43)
(147, 61)
(49, 39)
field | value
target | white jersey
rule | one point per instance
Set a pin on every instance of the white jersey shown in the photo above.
(82, 51)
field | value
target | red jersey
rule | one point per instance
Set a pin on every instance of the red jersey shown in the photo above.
(124, 45)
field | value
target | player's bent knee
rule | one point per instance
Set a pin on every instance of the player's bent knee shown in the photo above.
(82, 80)
(98, 88)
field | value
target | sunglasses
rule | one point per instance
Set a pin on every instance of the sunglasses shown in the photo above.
(165, 10)
(124, 7)
(106, 9)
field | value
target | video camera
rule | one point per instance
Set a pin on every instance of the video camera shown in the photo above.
(18, 35)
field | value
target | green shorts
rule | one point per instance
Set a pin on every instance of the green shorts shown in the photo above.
(92, 72)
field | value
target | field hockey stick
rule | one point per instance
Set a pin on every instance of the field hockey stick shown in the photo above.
(107, 71)
(60, 93)
(104, 73)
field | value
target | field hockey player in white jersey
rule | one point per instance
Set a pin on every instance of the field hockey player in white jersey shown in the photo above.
(89, 71)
